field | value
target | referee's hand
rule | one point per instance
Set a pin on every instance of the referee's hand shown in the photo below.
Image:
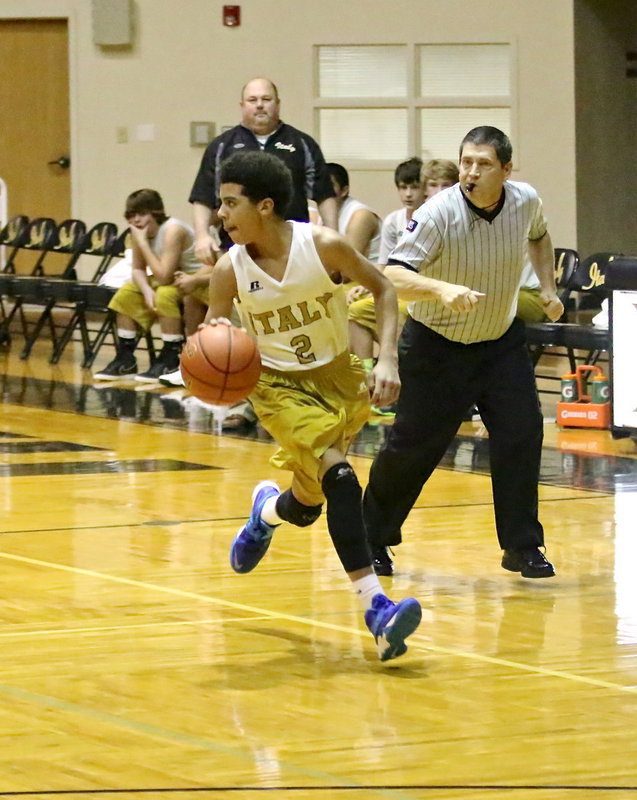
(553, 307)
(459, 298)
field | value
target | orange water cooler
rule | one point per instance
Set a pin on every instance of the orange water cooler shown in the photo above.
(585, 399)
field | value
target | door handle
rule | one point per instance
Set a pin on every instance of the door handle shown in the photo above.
(62, 161)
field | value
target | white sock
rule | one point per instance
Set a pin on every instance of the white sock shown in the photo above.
(365, 588)
(172, 337)
(124, 333)
(268, 512)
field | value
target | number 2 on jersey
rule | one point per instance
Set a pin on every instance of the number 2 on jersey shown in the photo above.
(302, 346)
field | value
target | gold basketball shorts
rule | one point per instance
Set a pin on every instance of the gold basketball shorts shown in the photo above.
(307, 412)
(363, 313)
(129, 301)
(530, 307)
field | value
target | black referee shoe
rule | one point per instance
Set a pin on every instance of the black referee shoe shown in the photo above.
(381, 561)
(530, 563)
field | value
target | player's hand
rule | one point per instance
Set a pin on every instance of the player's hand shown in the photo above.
(384, 383)
(553, 307)
(139, 235)
(459, 298)
(185, 283)
(217, 321)
(149, 298)
(206, 249)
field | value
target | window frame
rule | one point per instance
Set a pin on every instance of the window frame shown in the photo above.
(413, 102)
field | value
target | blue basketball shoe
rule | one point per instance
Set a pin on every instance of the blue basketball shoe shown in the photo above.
(251, 543)
(391, 623)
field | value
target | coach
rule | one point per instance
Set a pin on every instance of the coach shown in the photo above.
(459, 263)
(261, 129)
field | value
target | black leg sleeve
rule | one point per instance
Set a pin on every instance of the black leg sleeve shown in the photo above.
(345, 517)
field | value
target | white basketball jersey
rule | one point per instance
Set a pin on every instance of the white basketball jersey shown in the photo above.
(300, 322)
(345, 214)
(188, 262)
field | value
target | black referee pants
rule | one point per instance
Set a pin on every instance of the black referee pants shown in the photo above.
(441, 380)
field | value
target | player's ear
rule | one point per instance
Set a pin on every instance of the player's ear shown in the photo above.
(266, 205)
(507, 169)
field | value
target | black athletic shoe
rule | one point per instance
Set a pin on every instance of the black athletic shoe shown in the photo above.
(165, 363)
(120, 367)
(381, 561)
(530, 563)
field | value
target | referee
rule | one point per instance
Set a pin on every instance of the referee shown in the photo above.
(459, 263)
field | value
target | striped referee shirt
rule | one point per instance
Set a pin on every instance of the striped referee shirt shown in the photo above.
(449, 241)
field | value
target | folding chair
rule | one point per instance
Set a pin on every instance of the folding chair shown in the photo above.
(13, 235)
(41, 238)
(38, 239)
(103, 243)
(97, 299)
(70, 239)
(581, 335)
(99, 242)
(588, 281)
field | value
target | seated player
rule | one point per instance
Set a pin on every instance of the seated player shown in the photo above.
(163, 246)
(356, 221)
(312, 396)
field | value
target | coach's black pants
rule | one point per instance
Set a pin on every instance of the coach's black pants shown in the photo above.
(441, 380)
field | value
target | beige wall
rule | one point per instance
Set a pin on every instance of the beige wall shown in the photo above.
(606, 126)
(185, 66)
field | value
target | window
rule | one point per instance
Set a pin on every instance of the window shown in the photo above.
(380, 104)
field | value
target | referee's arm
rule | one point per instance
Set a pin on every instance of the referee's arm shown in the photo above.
(411, 285)
(542, 257)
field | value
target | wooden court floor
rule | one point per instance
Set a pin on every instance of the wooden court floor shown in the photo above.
(136, 664)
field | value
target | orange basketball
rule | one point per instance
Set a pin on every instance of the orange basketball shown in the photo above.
(220, 364)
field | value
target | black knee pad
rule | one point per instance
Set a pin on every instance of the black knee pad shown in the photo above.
(345, 516)
(340, 477)
(289, 509)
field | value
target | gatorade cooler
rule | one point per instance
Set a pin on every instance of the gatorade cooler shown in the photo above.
(578, 408)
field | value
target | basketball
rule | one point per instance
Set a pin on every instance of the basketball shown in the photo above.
(220, 364)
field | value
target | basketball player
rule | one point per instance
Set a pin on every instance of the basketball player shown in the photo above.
(356, 221)
(164, 247)
(460, 263)
(312, 396)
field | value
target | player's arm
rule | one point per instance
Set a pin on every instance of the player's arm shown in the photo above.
(318, 178)
(139, 277)
(329, 212)
(204, 217)
(361, 230)
(338, 256)
(223, 290)
(163, 266)
(543, 260)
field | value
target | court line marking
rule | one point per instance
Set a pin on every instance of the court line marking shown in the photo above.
(462, 787)
(99, 629)
(416, 641)
(212, 520)
(157, 732)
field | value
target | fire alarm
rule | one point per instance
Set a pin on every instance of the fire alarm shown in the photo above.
(232, 16)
